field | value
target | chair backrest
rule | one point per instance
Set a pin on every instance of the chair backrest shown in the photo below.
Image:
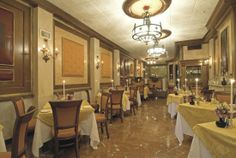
(133, 92)
(222, 97)
(208, 94)
(116, 97)
(19, 106)
(65, 114)
(104, 103)
(20, 132)
(119, 87)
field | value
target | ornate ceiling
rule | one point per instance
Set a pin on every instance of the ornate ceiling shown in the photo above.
(185, 18)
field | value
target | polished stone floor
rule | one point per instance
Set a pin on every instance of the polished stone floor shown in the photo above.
(149, 134)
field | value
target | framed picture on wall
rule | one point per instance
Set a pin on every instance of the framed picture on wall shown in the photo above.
(224, 51)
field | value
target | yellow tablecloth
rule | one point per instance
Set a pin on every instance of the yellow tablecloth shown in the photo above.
(172, 98)
(47, 117)
(125, 101)
(220, 142)
(145, 92)
(2, 142)
(195, 114)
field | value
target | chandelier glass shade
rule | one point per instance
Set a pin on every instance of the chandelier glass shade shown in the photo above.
(147, 32)
(156, 51)
(151, 60)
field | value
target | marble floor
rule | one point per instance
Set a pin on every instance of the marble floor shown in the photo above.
(148, 134)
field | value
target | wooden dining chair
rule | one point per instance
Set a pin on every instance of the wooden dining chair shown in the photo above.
(133, 99)
(116, 103)
(66, 122)
(19, 136)
(20, 110)
(222, 97)
(102, 116)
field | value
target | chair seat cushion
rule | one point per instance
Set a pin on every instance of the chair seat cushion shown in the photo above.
(5, 154)
(115, 107)
(100, 117)
(65, 133)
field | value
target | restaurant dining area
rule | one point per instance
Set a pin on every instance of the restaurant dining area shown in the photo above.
(117, 78)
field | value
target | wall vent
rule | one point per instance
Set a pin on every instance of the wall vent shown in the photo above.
(193, 47)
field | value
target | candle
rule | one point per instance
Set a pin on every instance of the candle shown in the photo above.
(196, 86)
(64, 88)
(231, 93)
(112, 83)
(178, 83)
(185, 82)
(127, 83)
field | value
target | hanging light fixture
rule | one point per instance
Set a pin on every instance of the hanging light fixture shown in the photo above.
(147, 32)
(151, 60)
(156, 50)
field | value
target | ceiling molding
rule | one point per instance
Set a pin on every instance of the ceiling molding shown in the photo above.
(223, 8)
(189, 42)
(62, 15)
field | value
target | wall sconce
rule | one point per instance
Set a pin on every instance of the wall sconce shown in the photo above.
(118, 67)
(56, 52)
(98, 62)
(45, 51)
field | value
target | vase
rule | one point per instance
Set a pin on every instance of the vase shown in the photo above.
(223, 82)
(221, 123)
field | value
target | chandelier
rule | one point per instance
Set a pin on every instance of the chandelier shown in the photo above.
(156, 51)
(147, 32)
(151, 60)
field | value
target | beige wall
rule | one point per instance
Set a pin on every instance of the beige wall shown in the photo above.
(107, 67)
(197, 53)
(59, 34)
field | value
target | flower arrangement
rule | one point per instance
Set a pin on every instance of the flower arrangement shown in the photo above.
(222, 111)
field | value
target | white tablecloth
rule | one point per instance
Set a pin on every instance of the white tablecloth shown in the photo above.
(43, 133)
(198, 149)
(172, 109)
(182, 128)
(2, 142)
(139, 99)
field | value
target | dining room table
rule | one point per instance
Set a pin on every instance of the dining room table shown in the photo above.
(44, 127)
(210, 141)
(2, 142)
(138, 96)
(173, 100)
(125, 100)
(145, 92)
(190, 115)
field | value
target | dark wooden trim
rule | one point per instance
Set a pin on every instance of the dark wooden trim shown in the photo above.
(106, 46)
(121, 53)
(72, 90)
(7, 97)
(22, 52)
(79, 34)
(189, 42)
(67, 18)
(105, 84)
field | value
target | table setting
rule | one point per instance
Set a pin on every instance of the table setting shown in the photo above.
(44, 126)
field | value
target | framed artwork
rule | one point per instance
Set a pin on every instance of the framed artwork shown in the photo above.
(224, 51)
